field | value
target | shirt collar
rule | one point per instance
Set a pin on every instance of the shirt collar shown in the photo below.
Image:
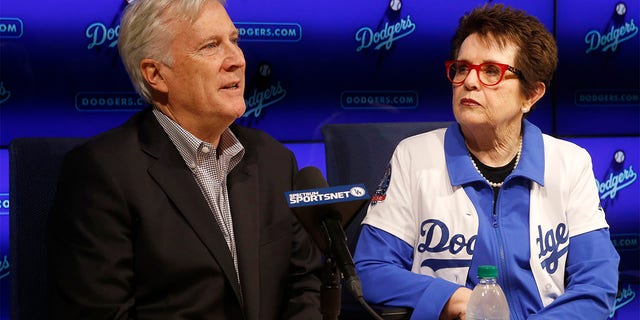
(188, 144)
(461, 170)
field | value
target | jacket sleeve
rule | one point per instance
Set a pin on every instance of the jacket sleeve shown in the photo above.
(90, 253)
(592, 279)
(303, 301)
(383, 263)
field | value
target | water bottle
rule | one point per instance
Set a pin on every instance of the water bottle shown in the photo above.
(487, 301)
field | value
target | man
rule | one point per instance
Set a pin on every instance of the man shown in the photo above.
(179, 213)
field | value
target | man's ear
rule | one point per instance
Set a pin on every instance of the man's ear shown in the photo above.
(151, 72)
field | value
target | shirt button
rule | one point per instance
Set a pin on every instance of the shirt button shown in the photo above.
(547, 287)
(205, 149)
(192, 165)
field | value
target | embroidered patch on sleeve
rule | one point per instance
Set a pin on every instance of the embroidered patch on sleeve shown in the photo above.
(381, 190)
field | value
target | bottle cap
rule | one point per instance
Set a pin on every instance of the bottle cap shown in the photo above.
(487, 271)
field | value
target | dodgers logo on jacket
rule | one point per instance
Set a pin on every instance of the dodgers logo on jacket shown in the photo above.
(381, 190)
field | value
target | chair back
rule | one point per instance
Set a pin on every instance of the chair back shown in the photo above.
(34, 165)
(359, 153)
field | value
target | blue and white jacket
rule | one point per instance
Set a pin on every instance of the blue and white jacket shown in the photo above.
(432, 222)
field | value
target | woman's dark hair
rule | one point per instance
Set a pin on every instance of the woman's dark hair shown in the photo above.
(537, 56)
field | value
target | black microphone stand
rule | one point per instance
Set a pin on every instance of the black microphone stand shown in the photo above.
(331, 290)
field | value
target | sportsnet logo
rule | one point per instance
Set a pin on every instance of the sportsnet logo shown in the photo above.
(326, 195)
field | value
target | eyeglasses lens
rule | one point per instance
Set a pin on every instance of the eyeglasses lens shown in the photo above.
(489, 73)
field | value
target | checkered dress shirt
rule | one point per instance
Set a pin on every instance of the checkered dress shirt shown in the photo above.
(210, 166)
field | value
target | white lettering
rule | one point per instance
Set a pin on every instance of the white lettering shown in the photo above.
(310, 197)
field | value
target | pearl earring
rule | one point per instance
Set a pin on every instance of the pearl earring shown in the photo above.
(525, 110)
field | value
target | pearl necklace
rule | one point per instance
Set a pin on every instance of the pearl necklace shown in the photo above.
(491, 183)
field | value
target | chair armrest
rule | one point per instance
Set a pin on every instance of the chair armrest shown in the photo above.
(392, 313)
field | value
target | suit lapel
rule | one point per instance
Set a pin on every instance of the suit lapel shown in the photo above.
(175, 178)
(244, 200)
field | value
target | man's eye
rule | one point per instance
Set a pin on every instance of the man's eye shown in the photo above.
(211, 45)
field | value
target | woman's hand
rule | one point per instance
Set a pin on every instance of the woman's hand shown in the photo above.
(456, 307)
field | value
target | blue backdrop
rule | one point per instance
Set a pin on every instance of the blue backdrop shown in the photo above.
(310, 63)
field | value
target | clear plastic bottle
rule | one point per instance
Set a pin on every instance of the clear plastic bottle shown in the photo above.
(487, 301)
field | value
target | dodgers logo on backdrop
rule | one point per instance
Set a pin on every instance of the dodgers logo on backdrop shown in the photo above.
(262, 92)
(626, 296)
(4, 267)
(390, 28)
(395, 5)
(385, 37)
(613, 36)
(553, 244)
(261, 99)
(618, 177)
(99, 34)
(437, 238)
(621, 8)
(615, 182)
(4, 93)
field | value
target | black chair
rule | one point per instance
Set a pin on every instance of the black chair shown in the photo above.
(359, 153)
(34, 165)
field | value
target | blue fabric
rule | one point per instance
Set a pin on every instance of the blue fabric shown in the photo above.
(503, 240)
(380, 255)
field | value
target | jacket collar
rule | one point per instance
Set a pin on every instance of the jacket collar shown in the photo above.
(174, 177)
(461, 170)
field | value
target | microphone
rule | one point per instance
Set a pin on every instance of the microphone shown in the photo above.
(323, 211)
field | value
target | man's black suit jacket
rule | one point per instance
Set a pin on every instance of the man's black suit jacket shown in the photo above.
(131, 235)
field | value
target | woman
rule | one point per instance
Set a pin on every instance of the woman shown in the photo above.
(491, 189)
